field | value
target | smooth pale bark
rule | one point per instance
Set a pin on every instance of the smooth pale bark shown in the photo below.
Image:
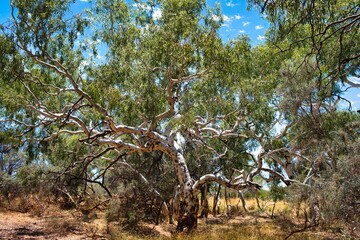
(188, 210)
(242, 198)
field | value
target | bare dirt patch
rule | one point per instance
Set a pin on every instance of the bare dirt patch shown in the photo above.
(19, 226)
(15, 225)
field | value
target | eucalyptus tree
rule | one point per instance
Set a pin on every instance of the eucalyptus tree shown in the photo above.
(320, 40)
(121, 79)
(327, 31)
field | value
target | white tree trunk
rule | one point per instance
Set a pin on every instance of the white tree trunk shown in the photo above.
(187, 203)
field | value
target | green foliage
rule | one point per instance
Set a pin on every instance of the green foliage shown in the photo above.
(277, 192)
(263, 194)
(326, 30)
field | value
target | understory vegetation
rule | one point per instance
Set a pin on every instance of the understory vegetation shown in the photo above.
(261, 221)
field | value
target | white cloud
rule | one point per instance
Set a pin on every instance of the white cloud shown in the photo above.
(261, 38)
(141, 6)
(215, 18)
(226, 18)
(231, 4)
(84, 0)
(245, 23)
(358, 95)
(242, 31)
(238, 17)
(157, 14)
(83, 64)
(258, 27)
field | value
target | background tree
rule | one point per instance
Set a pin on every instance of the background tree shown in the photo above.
(319, 38)
(326, 30)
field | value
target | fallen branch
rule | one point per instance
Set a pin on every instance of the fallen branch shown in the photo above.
(301, 230)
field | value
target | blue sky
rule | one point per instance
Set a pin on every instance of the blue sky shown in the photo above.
(237, 21)
(5, 11)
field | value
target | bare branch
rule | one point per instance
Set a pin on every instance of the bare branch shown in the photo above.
(224, 182)
(190, 77)
(128, 167)
(351, 83)
(278, 175)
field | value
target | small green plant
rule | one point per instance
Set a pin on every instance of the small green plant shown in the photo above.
(112, 214)
(264, 194)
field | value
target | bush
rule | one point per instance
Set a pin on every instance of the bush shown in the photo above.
(132, 205)
(264, 194)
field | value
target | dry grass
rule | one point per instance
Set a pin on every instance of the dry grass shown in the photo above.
(236, 229)
(256, 224)
(281, 207)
